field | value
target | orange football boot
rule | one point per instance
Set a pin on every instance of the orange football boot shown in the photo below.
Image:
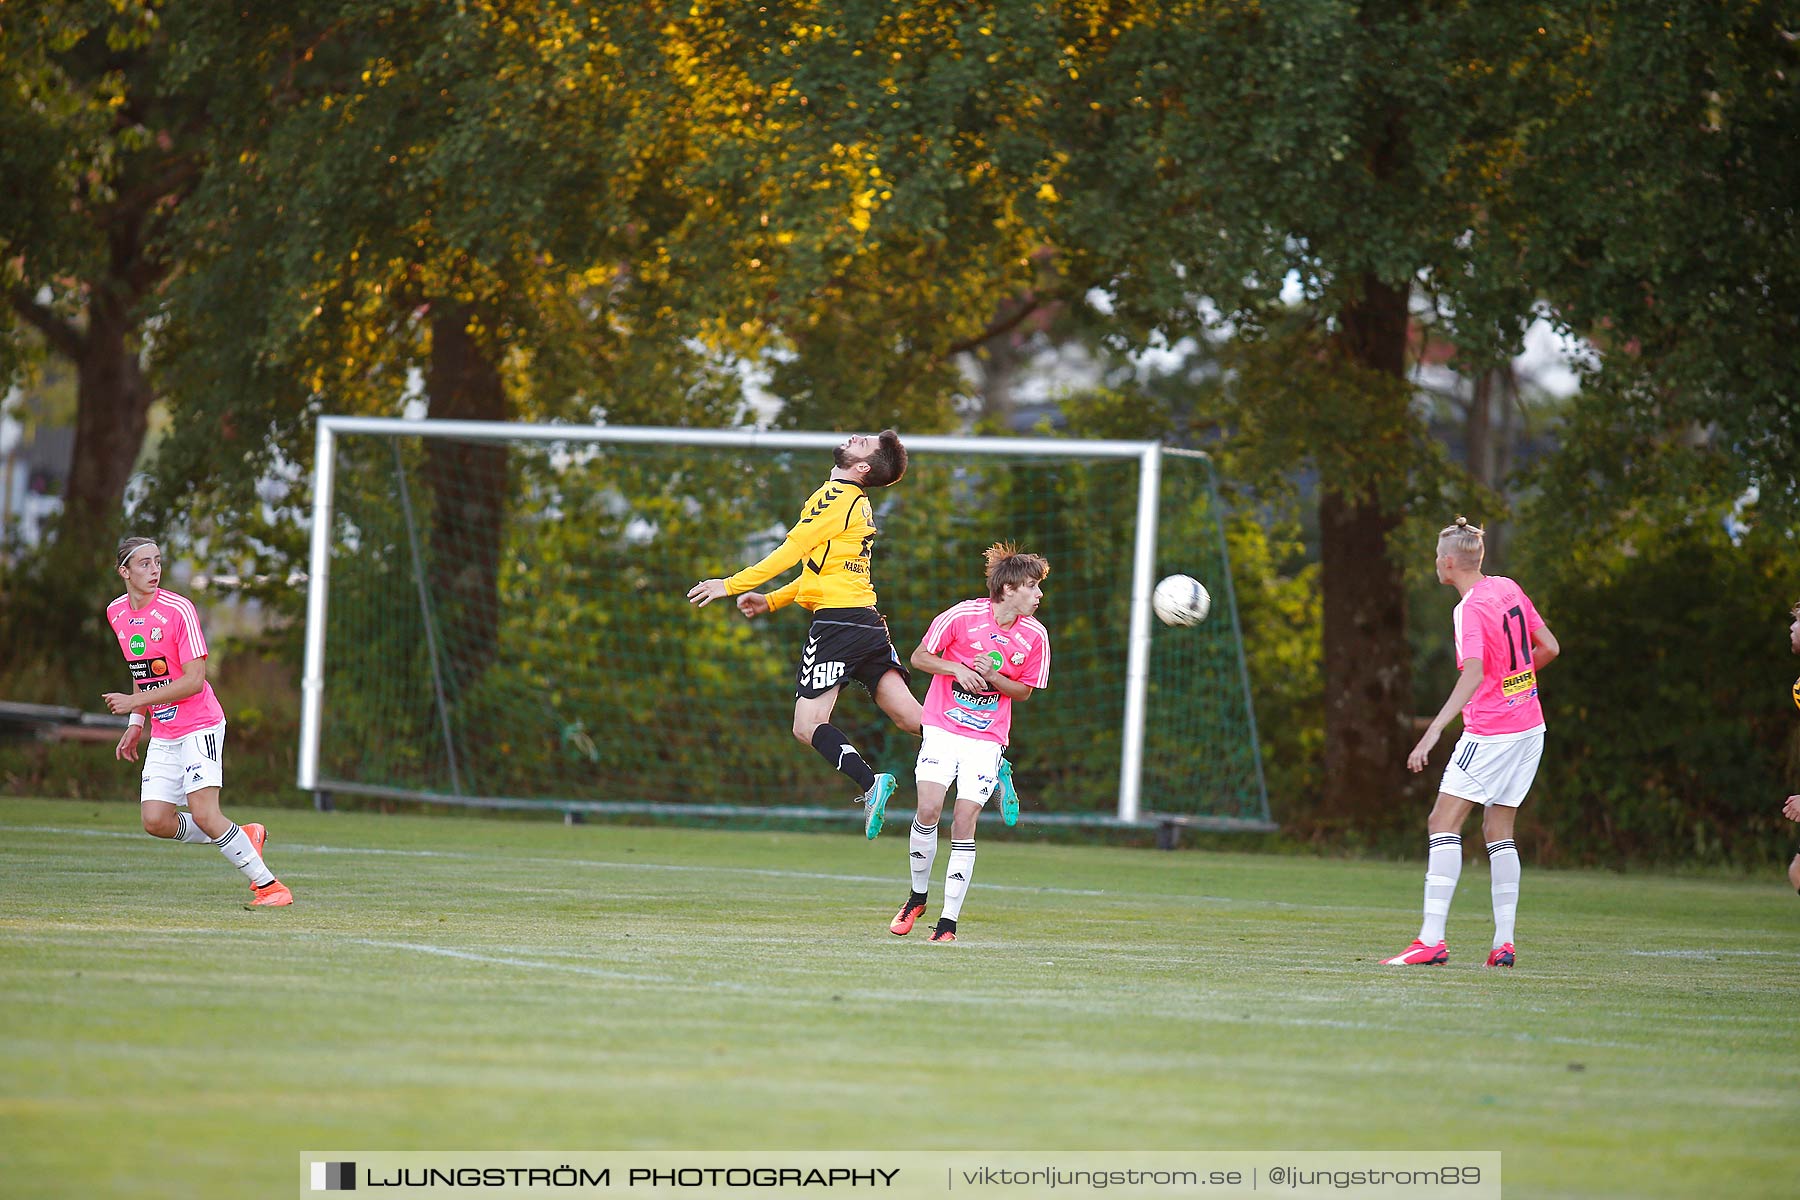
(273, 894)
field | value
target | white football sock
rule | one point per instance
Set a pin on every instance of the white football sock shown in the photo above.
(188, 830)
(957, 874)
(1503, 859)
(236, 848)
(1443, 867)
(921, 853)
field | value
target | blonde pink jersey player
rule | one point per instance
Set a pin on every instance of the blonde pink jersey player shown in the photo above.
(1494, 623)
(158, 641)
(964, 633)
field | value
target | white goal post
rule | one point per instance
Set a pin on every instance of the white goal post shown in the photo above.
(1148, 457)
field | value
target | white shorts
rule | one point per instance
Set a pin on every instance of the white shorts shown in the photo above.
(1488, 770)
(173, 767)
(973, 764)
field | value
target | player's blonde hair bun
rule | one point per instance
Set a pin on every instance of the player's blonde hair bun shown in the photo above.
(1464, 542)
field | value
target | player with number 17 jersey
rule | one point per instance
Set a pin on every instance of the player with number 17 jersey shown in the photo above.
(1494, 623)
(158, 641)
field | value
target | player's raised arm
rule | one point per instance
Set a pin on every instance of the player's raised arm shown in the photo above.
(706, 591)
(825, 515)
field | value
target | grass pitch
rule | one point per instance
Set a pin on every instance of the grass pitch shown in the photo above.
(487, 985)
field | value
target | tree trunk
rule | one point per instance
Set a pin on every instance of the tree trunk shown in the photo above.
(1479, 430)
(467, 483)
(1368, 663)
(112, 414)
(55, 598)
(1505, 435)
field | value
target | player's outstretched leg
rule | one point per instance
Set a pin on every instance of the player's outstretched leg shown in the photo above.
(1009, 795)
(844, 758)
(1794, 872)
(874, 802)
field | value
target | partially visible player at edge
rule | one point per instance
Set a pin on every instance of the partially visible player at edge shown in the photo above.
(159, 634)
(982, 655)
(1501, 645)
(1791, 807)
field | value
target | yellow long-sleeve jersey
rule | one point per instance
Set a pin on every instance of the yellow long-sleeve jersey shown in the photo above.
(831, 543)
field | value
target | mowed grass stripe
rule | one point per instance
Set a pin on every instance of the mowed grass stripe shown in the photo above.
(517, 984)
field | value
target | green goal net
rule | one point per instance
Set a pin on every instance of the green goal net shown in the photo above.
(498, 616)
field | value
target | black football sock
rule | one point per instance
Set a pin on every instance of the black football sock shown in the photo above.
(836, 749)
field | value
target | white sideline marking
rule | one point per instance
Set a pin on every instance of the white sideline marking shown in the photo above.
(503, 961)
(1705, 954)
(764, 872)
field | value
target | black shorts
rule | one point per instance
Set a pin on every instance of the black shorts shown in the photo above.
(846, 643)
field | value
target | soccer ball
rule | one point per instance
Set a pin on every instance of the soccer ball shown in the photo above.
(1181, 600)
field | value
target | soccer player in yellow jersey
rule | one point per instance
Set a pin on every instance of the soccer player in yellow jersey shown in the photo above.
(848, 638)
(1791, 809)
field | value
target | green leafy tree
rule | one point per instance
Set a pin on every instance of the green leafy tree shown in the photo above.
(98, 155)
(893, 203)
(1235, 151)
(470, 198)
(1659, 215)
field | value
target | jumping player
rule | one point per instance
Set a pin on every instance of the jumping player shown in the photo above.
(159, 634)
(982, 656)
(1501, 645)
(848, 638)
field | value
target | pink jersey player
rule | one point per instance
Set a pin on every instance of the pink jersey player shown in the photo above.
(1501, 645)
(1494, 623)
(969, 632)
(178, 795)
(158, 640)
(982, 655)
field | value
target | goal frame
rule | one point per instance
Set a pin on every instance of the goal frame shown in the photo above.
(1148, 454)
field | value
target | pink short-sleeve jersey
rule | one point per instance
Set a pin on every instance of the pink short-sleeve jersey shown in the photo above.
(158, 640)
(1494, 622)
(965, 633)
